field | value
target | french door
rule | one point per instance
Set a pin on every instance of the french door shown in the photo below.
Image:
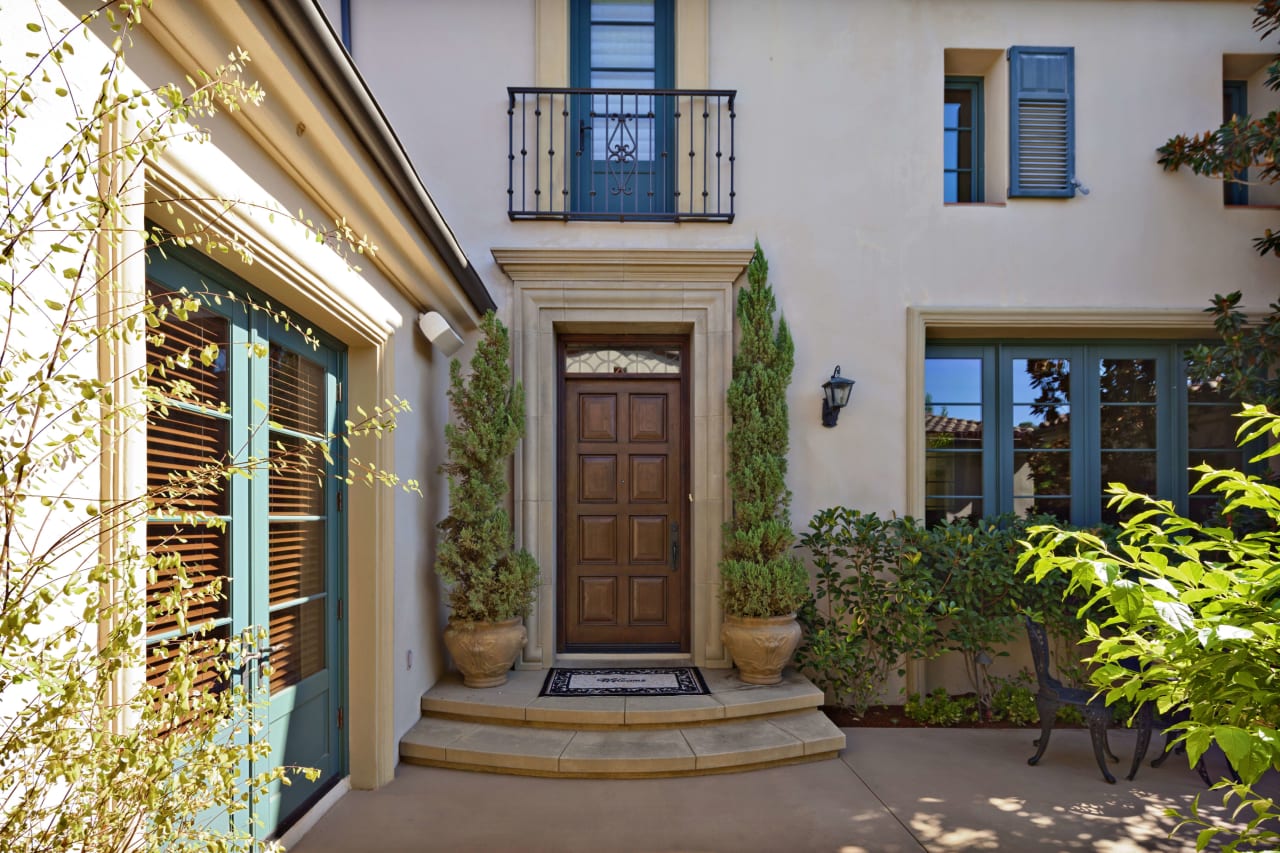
(624, 158)
(269, 403)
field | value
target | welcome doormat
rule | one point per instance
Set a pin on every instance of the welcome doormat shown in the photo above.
(649, 681)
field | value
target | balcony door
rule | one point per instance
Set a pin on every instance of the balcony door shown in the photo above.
(623, 164)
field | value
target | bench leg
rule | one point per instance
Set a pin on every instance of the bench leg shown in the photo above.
(1048, 710)
(1146, 720)
(1098, 734)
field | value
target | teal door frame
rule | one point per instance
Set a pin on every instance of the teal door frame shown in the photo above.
(303, 724)
(622, 182)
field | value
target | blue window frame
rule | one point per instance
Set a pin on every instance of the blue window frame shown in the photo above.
(1042, 159)
(624, 158)
(1235, 102)
(1045, 427)
(962, 155)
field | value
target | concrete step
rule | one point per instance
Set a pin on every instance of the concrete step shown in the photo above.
(510, 729)
(725, 746)
(517, 702)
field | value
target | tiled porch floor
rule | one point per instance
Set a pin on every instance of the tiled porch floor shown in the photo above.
(891, 790)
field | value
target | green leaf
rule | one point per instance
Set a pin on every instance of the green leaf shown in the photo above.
(1235, 742)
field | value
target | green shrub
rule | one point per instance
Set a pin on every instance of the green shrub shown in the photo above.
(973, 566)
(890, 590)
(1013, 700)
(872, 605)
(939, 709)
(1198, 608)
(1070, 715)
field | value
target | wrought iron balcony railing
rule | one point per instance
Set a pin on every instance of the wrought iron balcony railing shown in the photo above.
(621, 154)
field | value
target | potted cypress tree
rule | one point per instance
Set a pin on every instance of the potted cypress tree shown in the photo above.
(761, 582)
(491, 584)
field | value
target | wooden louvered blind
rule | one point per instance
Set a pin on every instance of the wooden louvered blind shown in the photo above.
(181, 447)
(203, 555)
(297, 392)
(178, 371)
(207, 680)
(185, 438)
(297, 476)
(298, 528)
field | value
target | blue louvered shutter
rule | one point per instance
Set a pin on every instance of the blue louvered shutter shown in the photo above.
(1042, 156)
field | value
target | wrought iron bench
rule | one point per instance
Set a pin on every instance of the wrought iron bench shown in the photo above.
(1053, 694)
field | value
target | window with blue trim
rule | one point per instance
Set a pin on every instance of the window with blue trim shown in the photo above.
(1235, 104)
(1046, 427)
(962, 139)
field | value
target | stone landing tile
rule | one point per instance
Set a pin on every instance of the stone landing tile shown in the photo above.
(795, 693)
(744, 742)
(646, 751)
(511, 747)
(649, 710)
(429, 739)
(507, 702)
(577, 710)
(814, 730)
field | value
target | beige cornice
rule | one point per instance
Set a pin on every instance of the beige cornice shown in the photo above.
(562, 264)
(286, 264)
(1065, 321)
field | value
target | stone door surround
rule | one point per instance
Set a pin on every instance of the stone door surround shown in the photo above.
(623, 291)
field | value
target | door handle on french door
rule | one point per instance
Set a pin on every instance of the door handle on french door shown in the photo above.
(675, 546)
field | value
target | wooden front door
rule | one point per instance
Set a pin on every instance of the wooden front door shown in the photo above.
(623, 574)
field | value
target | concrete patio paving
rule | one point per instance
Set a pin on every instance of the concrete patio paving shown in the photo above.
(890, 790)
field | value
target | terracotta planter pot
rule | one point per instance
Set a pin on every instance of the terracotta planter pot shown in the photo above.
(761, 647)
(485, 651)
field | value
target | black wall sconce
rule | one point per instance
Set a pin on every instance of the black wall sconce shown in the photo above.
(835, 396)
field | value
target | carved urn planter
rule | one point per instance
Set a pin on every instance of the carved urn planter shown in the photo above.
(485, 651)
(761, 647)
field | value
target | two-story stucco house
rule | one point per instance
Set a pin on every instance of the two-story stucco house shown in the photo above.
(961, 208)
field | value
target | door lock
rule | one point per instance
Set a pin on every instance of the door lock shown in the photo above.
(675, 546)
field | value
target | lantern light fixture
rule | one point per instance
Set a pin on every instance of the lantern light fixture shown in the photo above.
(835, 396)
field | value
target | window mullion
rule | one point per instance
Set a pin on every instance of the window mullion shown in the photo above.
(1086, 442)
(1001, 401)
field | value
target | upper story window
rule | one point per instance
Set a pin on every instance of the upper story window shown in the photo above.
(1008, 105)
(962, 126)
(620, 142)
(1235, 103)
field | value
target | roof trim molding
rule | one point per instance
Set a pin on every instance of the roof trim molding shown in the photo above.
(306, 27)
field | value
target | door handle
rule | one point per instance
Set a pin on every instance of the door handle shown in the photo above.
(675, 546)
